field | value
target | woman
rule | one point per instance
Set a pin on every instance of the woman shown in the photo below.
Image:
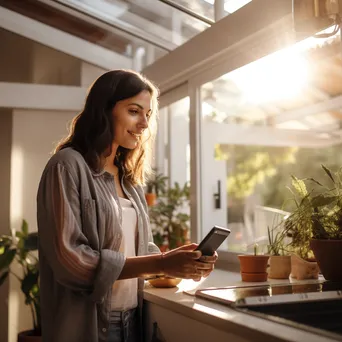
(94, 234)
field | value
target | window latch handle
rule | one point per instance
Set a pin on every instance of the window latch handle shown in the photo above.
(217, 196)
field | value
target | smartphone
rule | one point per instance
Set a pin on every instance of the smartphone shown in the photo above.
(213, 240)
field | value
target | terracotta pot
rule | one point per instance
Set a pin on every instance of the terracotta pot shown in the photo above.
(280, 266)
(253, 263)
(302, 269)
(27, 336)
(328, 254)
(150, 199)
(164, 248)
(254, 277)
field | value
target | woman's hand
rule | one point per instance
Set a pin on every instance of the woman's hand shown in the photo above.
(184, 262)
(211, 261)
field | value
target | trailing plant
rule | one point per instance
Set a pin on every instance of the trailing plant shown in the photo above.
(169, 217)
(318, 212)
(20, 248)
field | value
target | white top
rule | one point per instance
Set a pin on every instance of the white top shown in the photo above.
(125, 292)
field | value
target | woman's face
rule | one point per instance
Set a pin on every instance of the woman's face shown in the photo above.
(130, 118)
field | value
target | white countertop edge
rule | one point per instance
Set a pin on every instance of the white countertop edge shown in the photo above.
(223, 317)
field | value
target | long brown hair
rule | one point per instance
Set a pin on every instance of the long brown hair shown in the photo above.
(91, 131)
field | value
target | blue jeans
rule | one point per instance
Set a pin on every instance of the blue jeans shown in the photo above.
(123, 326)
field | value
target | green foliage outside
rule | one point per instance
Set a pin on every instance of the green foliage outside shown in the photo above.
(249, 166)
(268, 170)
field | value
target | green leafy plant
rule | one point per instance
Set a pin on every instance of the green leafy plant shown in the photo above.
(169, 219)
(157, 183)
(276, 245)
(318, 212)
(20, 248)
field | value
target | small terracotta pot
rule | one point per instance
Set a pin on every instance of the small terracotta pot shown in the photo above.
(302, 269)
(151, 198)
(27, 336)
(328, 254)
(280, 266)
(164, 248)
(253, 277)
(253, 263)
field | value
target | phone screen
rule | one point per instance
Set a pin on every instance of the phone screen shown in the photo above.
(213, 240)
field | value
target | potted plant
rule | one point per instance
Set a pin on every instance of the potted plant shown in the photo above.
(169, 217)
(20, 248)
(155, 184)
(279, 261)
(253, 268)
(315, 226)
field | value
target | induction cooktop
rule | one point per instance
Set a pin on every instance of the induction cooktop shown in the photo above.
(315, 307)
(273, 293)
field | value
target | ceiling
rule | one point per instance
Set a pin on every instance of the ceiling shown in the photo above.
(299, 88)
(125, 25)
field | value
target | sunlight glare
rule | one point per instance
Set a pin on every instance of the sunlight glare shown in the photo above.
(281, 76)
(207, 109)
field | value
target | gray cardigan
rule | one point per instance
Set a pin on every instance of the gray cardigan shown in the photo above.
(79, 227)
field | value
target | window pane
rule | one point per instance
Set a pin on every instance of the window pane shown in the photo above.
(170, 217)
(150, 16)
(262, 123)
(173, 158)
(206, 7)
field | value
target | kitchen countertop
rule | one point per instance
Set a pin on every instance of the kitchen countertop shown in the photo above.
(224, 317)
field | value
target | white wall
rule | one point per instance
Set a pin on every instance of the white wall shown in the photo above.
(50, 66)
(34, 136)
(15, 58)
(89, 73)
(25, 61)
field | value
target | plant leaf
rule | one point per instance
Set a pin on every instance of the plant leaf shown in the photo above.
(29, 282)
(328, 173)
(7, 258)
(299, 186)
(314, 180)
(19, 235)
(321, 200)
(24, 227)
(31, 243)
(5, 241)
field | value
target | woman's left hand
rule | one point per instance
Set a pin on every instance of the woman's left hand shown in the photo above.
(210, 260)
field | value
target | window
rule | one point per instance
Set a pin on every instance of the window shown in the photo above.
(277, 116)
(173, 149)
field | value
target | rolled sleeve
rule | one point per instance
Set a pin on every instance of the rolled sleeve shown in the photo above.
(63, 243)
(152, 248)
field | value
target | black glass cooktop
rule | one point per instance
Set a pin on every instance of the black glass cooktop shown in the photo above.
(316, 307)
